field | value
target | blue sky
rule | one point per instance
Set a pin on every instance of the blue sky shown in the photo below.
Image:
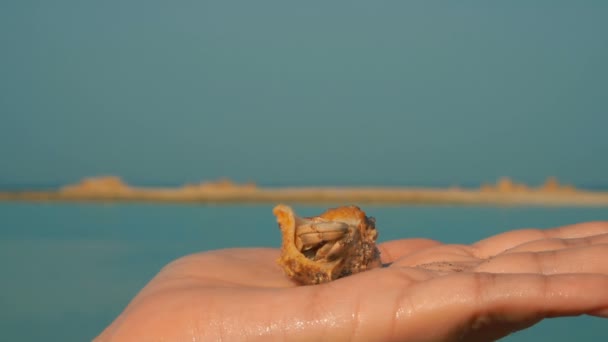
(315, 92)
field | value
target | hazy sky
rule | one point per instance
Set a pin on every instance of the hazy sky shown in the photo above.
(304, 92)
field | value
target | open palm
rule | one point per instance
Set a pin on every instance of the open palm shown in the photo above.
(428, 291)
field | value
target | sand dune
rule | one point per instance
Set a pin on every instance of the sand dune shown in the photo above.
(505, 192)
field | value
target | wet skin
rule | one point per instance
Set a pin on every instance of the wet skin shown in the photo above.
(428, 291)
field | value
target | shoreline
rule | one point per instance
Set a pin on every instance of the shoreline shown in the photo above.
(316, 195)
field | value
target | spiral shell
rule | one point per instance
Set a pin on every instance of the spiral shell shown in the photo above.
(338, 243)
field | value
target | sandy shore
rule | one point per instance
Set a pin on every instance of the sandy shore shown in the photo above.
(315, 195)
(505, 192)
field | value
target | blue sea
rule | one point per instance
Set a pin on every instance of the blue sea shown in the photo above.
(67, 270)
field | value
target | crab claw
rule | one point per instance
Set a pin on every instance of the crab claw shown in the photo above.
(312, 234)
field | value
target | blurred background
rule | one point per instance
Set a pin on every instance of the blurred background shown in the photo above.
(321, 92)
(327, 92)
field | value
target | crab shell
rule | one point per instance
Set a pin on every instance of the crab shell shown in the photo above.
(338, 243)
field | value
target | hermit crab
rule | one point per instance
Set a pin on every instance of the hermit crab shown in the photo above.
(338, 243)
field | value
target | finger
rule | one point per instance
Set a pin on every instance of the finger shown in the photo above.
(485, 307)
(393, 250)
(477, 305)
(559, 244)
(496, 305)
(591, 259)
(499, 243)
(579, 230)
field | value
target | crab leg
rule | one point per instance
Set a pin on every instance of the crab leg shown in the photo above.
(329, 251)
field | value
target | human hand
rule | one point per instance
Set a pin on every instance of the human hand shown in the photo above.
(428, 292)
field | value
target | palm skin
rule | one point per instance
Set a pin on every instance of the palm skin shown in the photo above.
(428, 291)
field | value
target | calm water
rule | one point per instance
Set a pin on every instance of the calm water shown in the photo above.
(69, 269)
